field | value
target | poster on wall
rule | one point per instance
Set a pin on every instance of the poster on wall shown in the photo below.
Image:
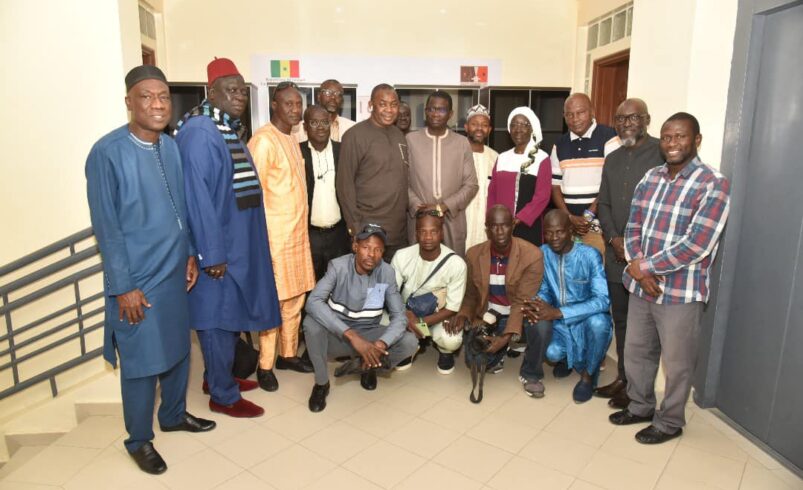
(365, 72)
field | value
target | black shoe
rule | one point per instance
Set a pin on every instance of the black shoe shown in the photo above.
(651, 435)
(317, 400)
(294, 363)
(445, 363)
(149, 460)
(404, 365)
(561, 370)
(620, 400)
(624, 417)
(368, 380)
(190, 423)
(267, 380)
(611, 390)
(512, 353)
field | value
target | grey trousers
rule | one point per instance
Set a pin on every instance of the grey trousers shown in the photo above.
(323, 345)
(655, 331)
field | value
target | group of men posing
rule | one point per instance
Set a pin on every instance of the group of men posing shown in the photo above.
(204, 231)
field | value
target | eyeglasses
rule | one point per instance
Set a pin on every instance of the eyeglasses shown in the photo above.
(429, 212)
(634, 118)
(331, 93)
(437, 110)
(319, 123)
(521, 125)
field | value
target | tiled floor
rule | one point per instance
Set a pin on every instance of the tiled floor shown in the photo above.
(418, 430)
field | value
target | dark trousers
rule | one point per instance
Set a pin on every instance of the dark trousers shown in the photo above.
(538, 337)
(138, 400)
(327, 244)
(619, 299)
(218, 346)
(323, 345)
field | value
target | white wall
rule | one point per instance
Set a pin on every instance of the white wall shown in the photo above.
(62, 88)
(534, 38)
(680, 60)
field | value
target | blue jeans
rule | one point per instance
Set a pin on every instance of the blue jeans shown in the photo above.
(537, 337)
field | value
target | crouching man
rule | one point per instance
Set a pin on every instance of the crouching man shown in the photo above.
(343, 314)
(572, 303)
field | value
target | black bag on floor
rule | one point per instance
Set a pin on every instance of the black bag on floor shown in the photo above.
(246, 357)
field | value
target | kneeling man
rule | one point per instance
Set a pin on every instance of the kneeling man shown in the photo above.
(343, 314)
(573, 299)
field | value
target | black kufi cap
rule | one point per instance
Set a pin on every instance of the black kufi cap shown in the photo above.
(143, 72)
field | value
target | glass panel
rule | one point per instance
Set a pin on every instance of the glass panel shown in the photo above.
(588, 65)
(619, 25)
(349, 110)
(629, 21)
(605, 32)
(548, 106)
(593, 31)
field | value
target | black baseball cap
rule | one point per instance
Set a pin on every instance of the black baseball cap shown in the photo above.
(372, 229)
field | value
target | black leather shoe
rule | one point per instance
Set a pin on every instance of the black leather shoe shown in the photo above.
(294, 363)
(651, 435)
(620, 400)
(368, 380)
(267, 380)
(611, 390)
(317, 400)
(624, 417)
(149, 460)
(190, 423)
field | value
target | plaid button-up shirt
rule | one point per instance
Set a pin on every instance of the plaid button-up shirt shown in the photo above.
(674, 226)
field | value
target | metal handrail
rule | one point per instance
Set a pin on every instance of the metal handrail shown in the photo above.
(78, 327)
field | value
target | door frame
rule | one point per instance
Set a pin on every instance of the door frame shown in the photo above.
(742, 95)
(599, 64)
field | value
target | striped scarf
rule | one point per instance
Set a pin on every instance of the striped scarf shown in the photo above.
(247, 191)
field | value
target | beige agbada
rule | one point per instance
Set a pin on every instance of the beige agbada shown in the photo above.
(280, 166)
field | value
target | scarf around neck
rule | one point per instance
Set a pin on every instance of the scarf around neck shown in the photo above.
(247, 190)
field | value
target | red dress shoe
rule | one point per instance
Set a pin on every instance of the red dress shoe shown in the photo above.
(242, 408)
(245, 385)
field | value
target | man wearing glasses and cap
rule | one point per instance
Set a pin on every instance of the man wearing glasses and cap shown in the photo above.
(330, 97)
(343, 314)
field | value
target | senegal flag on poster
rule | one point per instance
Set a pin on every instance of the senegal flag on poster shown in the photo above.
(284, 69)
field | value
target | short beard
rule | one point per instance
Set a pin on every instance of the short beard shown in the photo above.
(631, 141)
(479, 142)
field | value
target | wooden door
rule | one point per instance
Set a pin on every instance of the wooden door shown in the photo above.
(609, 85)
